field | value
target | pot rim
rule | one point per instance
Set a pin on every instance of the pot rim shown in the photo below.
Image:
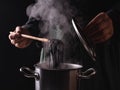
(61, 67)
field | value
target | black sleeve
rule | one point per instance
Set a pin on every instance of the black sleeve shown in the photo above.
(114, 14)
(32, 26)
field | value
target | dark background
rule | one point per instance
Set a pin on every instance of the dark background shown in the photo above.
(13, 13)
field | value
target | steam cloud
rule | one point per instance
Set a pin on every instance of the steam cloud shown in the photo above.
(56, 16)
(56, 13)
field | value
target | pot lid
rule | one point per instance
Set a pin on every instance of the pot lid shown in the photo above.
(84, 41)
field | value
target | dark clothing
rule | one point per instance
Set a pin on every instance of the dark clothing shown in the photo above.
(107, 62)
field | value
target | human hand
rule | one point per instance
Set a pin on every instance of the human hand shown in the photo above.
(17, 40)
(99, 29)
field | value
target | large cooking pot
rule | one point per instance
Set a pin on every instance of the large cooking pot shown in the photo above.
(65, 77)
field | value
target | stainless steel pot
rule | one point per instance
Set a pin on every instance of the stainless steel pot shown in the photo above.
(65, 77)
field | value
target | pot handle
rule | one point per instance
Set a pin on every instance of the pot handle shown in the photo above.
(29, 73)
(87, 74)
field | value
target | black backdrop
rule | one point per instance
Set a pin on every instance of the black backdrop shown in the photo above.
(13, 13)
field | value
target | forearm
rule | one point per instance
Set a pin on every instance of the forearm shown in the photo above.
(32, 26)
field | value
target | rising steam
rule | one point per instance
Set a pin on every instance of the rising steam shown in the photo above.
(56, 16)
(53, 12)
